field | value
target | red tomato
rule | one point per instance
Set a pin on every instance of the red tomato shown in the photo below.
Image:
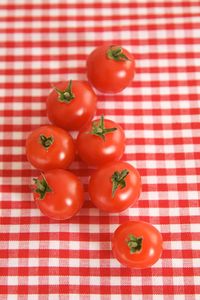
(71, 104)
(137, 244)
(101, 141)
(58, 194)
(110, 68)
(115, 186)
(49, 147)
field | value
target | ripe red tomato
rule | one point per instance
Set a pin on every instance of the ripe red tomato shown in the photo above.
(58, 194)
(49, 147)
(110, 68)
(115, 186)
(71, 104)
(101, 141)
(137, 244)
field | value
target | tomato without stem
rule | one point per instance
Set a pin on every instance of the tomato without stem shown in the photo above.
(58, 194)
(110, 68)
(71, 104)
(115, 186)
(49, 147)
(101, 141)
(137, 244)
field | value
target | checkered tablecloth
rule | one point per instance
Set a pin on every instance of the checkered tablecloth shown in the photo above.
(42, 42)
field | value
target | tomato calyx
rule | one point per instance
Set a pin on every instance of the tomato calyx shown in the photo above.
(42, 187)
(116, 53)
(66, 95)
(46, 141)
(118, 180)
(100, 130)
(134, 243)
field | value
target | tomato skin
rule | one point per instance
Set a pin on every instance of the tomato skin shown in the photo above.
(100, 188)
(66, 197)
(73, 115)
(59, 155)
(152, 244)
(108, 75)
(93, 150)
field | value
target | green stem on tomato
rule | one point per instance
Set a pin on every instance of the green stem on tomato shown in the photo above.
(100, 130)
(67, 95)
(116, 53)
(46, 141)
(118, 180)
(134, 243)
(42, 187)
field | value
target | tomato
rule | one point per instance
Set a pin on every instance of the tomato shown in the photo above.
(110, 69)
(115, 186)
(137, 244)
(49, 147)
(100, 141)
(71, 104)
(58, 194)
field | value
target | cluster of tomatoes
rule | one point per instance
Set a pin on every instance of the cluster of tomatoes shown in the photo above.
(115, 185)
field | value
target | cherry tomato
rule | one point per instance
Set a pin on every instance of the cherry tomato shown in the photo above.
(110, 69)
(101, 141)
(71, 104)
(49, 147)
(58, 194)
(137, 244)
(115, 186)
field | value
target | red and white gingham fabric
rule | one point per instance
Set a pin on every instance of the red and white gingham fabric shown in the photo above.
(47, 41)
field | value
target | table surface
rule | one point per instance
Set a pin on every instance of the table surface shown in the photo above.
(42, 42)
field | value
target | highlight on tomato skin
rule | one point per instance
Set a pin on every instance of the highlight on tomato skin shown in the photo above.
(110, 68)
(115, 186)
(137, 244)
(58, 194)
(71, 104)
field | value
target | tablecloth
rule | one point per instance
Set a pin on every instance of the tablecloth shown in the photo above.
(42, 42)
